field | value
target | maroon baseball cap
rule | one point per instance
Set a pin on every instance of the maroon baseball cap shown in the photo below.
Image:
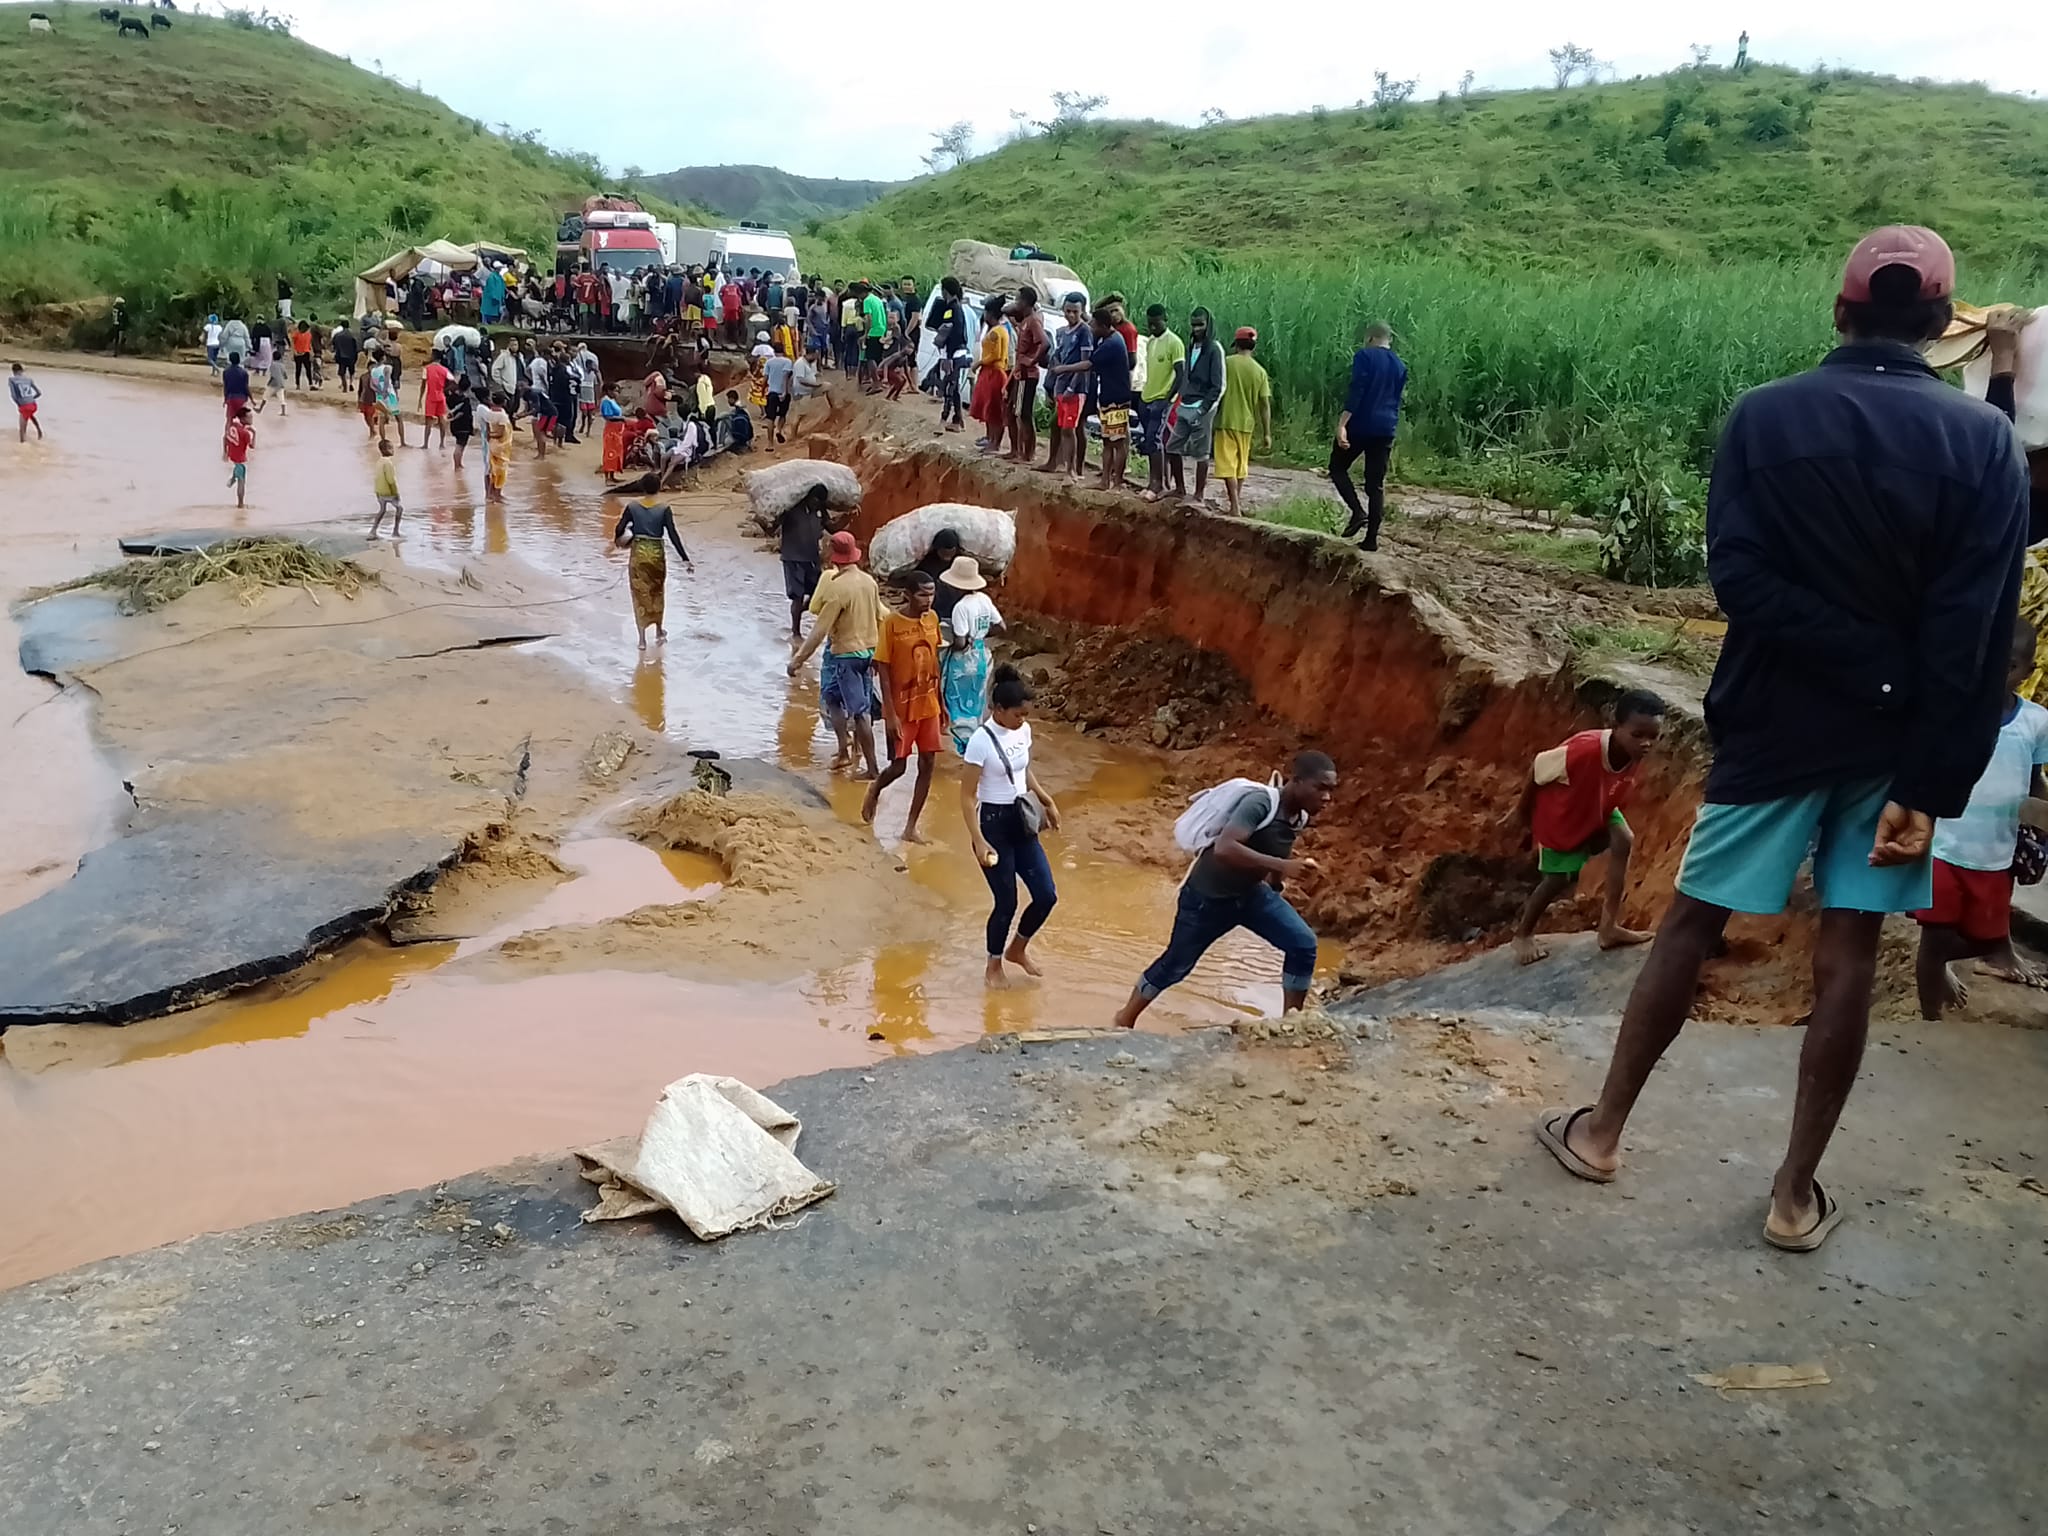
(1912, 246)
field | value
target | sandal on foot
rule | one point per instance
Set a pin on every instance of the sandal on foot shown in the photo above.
(1829, 1218)
(1553, 1130)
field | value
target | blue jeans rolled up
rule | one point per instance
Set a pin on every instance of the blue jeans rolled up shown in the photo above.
(1201, 920)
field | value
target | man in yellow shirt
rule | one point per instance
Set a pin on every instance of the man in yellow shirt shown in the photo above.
(848, 607)
(1165, 360)
(1247, 406)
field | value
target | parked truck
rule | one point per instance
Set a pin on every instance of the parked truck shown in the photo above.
(608, 234)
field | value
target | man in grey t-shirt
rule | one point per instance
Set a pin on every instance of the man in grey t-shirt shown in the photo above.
(1236, 884)
(803, 529)
(778, 373)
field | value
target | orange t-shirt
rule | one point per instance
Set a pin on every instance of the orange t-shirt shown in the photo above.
(302, 343)
(910, 650)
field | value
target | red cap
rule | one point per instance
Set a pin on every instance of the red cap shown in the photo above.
(845, 551)
(1900, 245)
(1246, 333)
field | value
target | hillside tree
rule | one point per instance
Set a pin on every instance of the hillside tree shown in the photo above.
(1213, 117)
(1070, 109)
(1568, 60)
(1390, 97)
(952, 147)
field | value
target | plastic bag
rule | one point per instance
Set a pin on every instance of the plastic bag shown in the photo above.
(1209, 812)
(774, 489)
(987, 533)
(718, 1154)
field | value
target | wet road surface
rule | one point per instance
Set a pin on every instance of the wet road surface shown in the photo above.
(371, 1070)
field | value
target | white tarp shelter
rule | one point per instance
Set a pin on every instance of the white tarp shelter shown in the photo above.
(442, 255)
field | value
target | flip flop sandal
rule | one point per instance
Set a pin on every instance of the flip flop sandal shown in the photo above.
(1553, 1129)
(1830, 1217)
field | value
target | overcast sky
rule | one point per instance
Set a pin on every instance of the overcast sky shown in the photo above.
(634, 83)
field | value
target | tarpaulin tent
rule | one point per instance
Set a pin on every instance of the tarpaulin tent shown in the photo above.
(400, 264)
(501, 255)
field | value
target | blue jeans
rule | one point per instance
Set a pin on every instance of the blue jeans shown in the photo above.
(1202, 920)
(1019, 856)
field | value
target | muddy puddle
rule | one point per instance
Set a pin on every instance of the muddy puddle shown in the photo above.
(381, 1066)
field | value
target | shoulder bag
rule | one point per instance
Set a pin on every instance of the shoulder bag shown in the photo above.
(1029, 811)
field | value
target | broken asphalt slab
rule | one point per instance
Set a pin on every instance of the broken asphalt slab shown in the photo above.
(1015, 1314)
(192, 907)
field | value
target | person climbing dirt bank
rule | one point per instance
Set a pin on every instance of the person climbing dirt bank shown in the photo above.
(1572, 804)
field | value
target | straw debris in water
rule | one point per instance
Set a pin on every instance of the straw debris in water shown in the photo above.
(148, 582)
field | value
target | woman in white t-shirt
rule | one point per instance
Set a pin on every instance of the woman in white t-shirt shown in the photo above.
(1006, 847)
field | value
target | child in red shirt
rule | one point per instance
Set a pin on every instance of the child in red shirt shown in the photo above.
(1572, 808)
(235, 444)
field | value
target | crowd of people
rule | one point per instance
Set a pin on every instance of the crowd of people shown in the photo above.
(1866, 536)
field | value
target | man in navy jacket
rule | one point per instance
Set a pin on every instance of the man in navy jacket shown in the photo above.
(1372, 414)
(1865, 529)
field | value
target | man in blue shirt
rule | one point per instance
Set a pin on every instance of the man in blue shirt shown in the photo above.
(1372, 414)
(1109, 374)
(1865, 528)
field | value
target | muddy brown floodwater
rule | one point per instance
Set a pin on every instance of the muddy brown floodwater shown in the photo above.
(378, 1067)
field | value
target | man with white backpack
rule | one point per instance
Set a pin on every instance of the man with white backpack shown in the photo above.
(1243, 833)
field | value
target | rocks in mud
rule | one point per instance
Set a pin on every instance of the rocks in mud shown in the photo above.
(607, 755)
(1306, 1026)
(1145, 679)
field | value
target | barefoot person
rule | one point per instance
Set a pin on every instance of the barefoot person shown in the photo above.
(21, 389)
(1970, 916)
(642, 527)
(236, 443)
(907, 665)
(1865, 526)
(1236, 882)
(1202, 385)
(1003, 809)
(848, 610)
(802, 528)
(497, 424)
(1571, 804)
(385, 489)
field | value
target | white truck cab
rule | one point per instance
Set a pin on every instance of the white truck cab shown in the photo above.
(742, 247)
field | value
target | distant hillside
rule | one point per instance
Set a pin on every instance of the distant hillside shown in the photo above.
(185, 171)
(1580, 281)
(762, 193)
(1690, 168)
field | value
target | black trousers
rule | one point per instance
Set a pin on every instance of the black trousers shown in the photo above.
(1373, 453)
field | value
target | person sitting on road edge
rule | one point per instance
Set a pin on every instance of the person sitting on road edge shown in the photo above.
(1571, 804)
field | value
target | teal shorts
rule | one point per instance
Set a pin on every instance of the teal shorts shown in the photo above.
(1569, 861)
(237, 472)
(1745, 857)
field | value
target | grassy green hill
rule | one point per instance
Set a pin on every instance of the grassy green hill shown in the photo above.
(1581, 281)
(1681, 170)
(185, 171)
(764, 194)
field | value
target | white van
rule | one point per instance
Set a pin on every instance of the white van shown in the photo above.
(972, 302)
(739, 249)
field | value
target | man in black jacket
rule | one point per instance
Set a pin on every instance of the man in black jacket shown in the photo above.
(1865, 528)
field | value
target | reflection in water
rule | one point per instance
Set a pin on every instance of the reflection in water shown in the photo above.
(650, 687)
(373, 1070)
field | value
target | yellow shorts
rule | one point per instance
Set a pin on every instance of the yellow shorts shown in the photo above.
(1233, 454)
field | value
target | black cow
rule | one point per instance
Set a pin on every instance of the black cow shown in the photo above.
(159, 19)
(130, 24)
(109, 13)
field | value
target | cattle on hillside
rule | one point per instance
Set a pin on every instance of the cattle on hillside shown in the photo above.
(130, 24)
(109, 14)
(38, 22)
(159, 19)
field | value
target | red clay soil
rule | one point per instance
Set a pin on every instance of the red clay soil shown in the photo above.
(1431, 676)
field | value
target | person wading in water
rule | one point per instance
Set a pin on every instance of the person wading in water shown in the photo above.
(642, 527)
(1004, 809)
